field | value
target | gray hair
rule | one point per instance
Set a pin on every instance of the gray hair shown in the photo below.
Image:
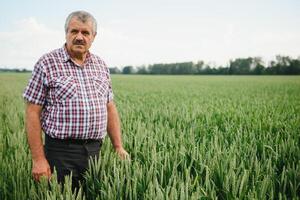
(82, 16)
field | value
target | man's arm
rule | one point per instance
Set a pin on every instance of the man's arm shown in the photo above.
(114, 130)
(40, 165)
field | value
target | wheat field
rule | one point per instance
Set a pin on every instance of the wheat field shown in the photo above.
(189, 137)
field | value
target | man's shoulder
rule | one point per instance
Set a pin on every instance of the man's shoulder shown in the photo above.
(97, 59)
(56, 54)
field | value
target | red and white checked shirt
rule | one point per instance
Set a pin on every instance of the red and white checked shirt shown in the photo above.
(74, 99)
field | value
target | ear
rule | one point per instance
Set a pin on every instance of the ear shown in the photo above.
(66, 33)
(94, 36)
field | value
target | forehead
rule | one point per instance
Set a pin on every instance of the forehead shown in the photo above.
(79, 25)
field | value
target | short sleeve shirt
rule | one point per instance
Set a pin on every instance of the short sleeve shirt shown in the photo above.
(74, 98)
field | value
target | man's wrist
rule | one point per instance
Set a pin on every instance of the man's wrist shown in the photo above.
(38, 158)
(116, 147)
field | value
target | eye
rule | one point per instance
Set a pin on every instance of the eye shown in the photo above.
(74, 31)
(86, 33)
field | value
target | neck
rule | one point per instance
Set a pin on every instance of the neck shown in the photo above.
(77, 58)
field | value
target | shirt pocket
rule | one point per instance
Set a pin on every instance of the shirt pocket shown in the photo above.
(65, 88)
(101, 86)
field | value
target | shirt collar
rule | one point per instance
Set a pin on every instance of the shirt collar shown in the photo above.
(66, 57)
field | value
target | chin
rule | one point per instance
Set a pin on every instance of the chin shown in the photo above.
(79, 50)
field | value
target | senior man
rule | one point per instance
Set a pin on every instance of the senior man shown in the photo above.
(69, 97)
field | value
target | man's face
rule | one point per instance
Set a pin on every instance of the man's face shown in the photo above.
(79, 36)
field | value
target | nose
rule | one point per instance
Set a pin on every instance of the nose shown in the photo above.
(79, 36)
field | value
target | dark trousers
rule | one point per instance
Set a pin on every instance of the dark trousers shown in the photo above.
(71, 155)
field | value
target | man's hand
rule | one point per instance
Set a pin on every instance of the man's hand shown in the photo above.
(122, 153)
(114, 131)
(40, 168)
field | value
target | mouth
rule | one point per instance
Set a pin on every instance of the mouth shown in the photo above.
(79, 45)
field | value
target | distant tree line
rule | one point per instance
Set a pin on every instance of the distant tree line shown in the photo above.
(14, 70)
(283, 65)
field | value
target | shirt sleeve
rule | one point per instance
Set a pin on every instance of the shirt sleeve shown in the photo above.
(110, 95)
(36, 90)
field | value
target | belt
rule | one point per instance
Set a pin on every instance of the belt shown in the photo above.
(73, 141)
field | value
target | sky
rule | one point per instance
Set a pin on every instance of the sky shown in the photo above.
(140, 32)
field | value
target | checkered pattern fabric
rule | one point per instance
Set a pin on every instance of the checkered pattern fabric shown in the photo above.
(74, 98)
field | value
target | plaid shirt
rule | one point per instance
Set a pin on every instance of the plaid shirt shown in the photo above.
(74, 99)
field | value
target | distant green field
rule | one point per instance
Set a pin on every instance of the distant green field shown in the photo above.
(189, 137)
